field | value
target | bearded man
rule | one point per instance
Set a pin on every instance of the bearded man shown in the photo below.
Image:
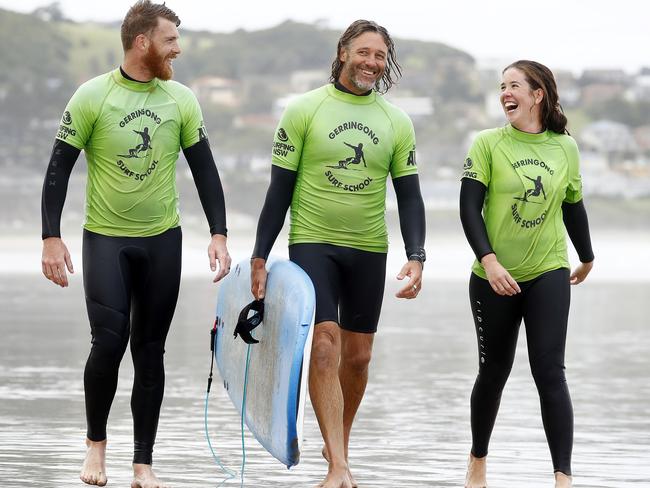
(131, 122)
(338, 234)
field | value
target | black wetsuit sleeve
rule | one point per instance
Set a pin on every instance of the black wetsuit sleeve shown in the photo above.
(472, 196)
(412, 221)
(276, 204)
(577, 226)
(55, 187)
(206, 178)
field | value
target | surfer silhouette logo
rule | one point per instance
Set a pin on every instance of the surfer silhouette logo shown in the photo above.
(356, 159)
(282, 135)
(533, 192)
(246, 324)
(144, 146)
(67, 118)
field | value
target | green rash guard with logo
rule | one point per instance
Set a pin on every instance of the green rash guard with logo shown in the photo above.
(343, 147)
(131, 133)
(528, 177)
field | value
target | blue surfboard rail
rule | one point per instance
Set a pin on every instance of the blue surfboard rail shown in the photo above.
(279, 364)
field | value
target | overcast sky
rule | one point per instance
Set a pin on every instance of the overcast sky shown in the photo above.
(567, 34)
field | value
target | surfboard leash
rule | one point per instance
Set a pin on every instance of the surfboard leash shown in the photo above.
(243, 413)
(227, 471)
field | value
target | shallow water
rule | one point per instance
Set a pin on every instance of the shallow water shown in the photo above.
(413, 426)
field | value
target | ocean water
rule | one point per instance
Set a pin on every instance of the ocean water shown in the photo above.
(412, 429)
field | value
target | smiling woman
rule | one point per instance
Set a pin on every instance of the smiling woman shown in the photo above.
(520, 102)
(524, 184)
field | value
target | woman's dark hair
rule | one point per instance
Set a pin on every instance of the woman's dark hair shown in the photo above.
(539, 76)
(357, 28)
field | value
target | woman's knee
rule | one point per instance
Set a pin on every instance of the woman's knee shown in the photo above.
(548, 375)
(494, 375)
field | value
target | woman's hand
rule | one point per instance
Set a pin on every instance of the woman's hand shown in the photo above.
(500, 280)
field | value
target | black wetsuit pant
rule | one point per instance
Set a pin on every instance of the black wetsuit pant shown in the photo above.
(543, 304)
(131, 286)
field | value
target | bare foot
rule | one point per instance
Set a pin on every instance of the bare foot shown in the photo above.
(325, 454)
(476, 472)
(562, 480)
(93, 471)
(144, 477)
(336, 478)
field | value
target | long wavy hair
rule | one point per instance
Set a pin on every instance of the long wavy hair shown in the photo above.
(393, 70)
(539, 76)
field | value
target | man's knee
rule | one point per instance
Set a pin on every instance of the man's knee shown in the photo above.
(325, 348)
(148, 362)
(356, 360)
(109, 329)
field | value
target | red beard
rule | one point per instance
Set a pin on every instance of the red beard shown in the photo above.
(156, 64)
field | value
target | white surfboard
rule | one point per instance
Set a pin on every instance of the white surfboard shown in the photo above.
(278, 366)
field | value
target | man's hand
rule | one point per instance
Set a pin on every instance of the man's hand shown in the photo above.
(54, 261)
(258, 278)
(217, 251)
(412, 269)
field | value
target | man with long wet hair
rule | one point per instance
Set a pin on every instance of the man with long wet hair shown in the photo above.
(338, 233)
(131, 122)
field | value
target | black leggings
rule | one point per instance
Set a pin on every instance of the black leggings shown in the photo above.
(131, 286)
(544, 306)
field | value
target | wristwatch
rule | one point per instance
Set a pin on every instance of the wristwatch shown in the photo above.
(420, 255)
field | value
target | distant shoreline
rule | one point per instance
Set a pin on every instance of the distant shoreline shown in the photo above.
(620, 256)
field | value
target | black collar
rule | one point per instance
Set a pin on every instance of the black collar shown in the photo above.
(129, 78)
(340, 87)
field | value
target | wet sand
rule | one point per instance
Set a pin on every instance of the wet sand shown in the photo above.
(412, 428)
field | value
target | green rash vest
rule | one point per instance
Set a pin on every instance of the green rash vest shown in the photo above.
(527, 176)
(343, 148)
(131, 133)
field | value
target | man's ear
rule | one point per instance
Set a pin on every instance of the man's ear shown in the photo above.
(141, 42)
(343, 55)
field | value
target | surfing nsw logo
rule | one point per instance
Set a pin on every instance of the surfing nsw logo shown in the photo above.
(535, 195)
(64, 130)
(282, 148)
(467, 166)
